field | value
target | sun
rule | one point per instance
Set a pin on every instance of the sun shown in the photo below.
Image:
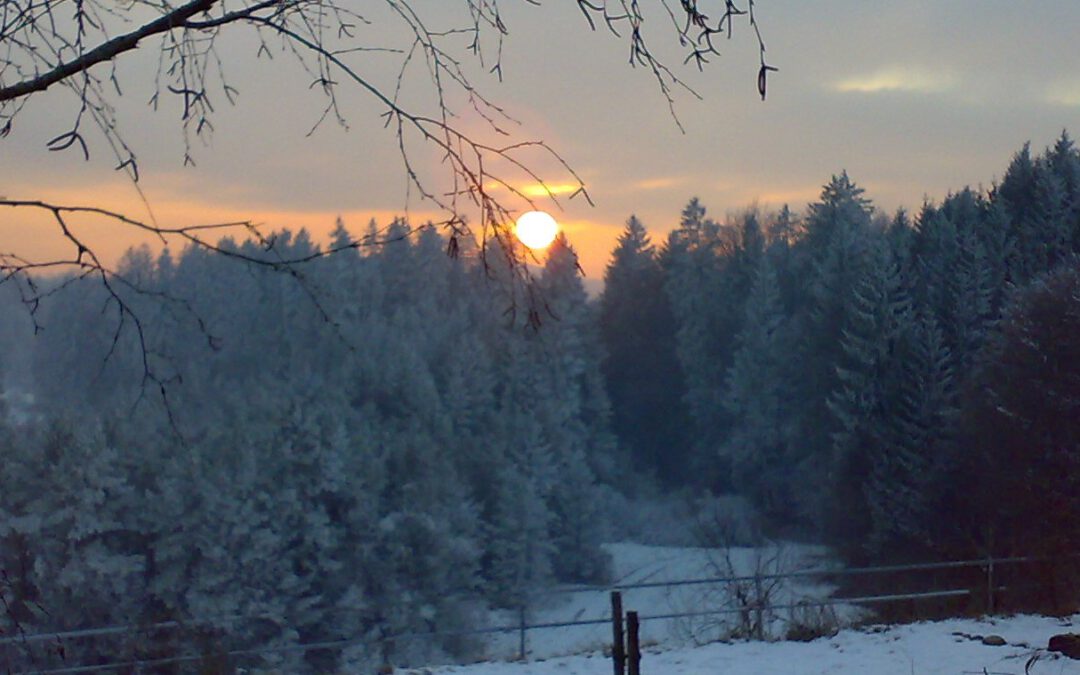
(536, 229)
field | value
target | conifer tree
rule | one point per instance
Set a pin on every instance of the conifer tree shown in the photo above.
(998, 242)
(868, 378)
(520, 547)
(1020, 422)
(1064, 160)
(1017, 189)
(956, 282)
(758, 394)
(1051, 218)
(707, 310)
(830, 259)
(576, 413)
(908, 476)
(642, 372)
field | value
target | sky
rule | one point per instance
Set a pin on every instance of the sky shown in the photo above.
(913, 99)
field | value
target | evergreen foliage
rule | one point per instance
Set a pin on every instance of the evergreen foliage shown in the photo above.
(834, 348)
(641, 368)
(378, 444)
(758, 398)
(1022, 423)
(367, 447)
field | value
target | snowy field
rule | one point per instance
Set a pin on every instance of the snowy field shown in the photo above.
(636, 563)
(932, 648)
(689, 647)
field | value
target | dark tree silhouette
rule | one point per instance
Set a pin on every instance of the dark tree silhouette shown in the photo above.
(1024, 420)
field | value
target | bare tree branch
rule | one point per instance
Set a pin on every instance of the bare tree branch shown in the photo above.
(476, 183)
(107, 51)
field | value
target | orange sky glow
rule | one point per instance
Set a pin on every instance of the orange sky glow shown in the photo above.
(873, 99)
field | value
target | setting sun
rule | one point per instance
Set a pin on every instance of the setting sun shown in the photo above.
(536, 229)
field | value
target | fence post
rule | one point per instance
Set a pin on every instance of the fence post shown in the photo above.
(989, 584)
(521, 630)
(618, 653)
(759, 609)
(632, 643)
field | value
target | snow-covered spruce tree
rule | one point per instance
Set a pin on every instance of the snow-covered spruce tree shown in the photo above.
(469, 378)
(228, 555)
(1039, 206)
(552, 414)
(1044, 231)
(359, 450)
(429, 543)
(758, 391)
(997, 240)
(692, 264)
(1017, 188)
(978, 293)
(520, 548)
(956, 282)
(746, 256)
(73, 544)
(908, 482)
(830, 259)
(1064, 160)
(709, 269)
(643, 375)
(62, 355)
(901, 239)
(577, 412)
(878, 313)
(20, 611)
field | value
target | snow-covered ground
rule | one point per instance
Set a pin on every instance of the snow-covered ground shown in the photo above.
(930, 648)
(636, 563)
(689, 646)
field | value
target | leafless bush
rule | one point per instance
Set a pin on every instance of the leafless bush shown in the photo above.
(808, 621)
(752, 571)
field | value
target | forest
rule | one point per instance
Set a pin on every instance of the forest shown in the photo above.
(392, 438)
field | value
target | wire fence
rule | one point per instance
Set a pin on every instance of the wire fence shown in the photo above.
(989, 567)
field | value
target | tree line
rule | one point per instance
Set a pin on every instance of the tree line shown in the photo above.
(901, 386)
(373, 449)
(390, 439)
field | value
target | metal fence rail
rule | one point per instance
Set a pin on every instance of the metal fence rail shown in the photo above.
(523, 627)
(819, 572)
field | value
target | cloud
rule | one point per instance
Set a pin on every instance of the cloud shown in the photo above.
(657, 183)
(535, 190)
(1064, 94)
(548, 189)
(897, 79)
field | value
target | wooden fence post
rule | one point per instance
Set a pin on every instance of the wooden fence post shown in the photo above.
(633, 645)
(989, 584)
(618, 651)
(521, 631)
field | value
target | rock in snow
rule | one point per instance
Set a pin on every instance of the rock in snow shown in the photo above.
(1066, 643)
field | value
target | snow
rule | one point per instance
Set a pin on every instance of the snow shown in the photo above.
(675, 647)
(637, 563)
(929, 648)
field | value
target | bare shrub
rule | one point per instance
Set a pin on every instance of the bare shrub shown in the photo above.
(753, 589)
(809, 621)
